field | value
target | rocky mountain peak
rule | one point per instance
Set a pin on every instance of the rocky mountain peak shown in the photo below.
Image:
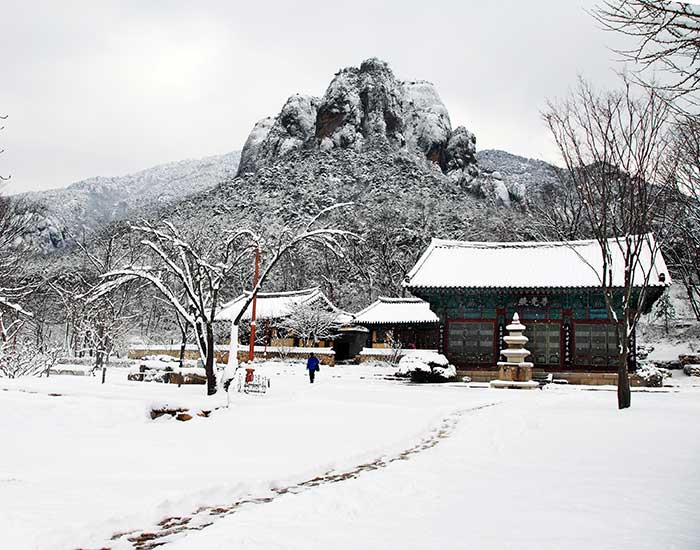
(363, 108)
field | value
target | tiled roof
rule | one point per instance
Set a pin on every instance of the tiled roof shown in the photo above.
(571, 264)
(395, 311)
(275, 305)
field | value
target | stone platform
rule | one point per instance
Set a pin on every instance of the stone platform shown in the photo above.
(514, 384)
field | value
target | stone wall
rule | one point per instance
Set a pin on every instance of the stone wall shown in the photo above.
(326, 356)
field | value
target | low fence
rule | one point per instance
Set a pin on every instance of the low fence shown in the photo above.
(326, 356)
(386, 354)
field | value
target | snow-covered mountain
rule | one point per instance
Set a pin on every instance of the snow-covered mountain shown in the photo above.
(387, 146)
(384, 144)
(366, 109)
(91, 203)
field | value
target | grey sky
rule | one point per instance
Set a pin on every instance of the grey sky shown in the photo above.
(107, 88)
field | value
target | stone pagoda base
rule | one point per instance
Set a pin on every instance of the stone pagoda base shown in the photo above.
(516, 372)
(514, 385)
(515, 376)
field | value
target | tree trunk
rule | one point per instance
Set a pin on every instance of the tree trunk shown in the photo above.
(233, 349)
(232, 364)
(99, 348)
(209, 362)
(183, 346)
(624, 394)
(692, 299)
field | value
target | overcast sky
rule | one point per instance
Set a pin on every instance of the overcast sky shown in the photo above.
(107, 88)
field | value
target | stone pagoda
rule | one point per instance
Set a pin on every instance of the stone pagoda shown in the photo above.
(515, 372)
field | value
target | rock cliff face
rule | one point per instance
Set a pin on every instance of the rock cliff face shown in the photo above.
(512, 180)
(249, 160)
(364, 108)
(427, 122)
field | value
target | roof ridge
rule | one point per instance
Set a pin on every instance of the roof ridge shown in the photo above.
(399, 300)
(436, 242)
(301, 292)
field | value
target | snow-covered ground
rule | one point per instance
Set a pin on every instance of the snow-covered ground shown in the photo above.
(559, 468)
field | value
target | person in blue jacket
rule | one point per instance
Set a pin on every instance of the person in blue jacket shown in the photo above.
(312, 366)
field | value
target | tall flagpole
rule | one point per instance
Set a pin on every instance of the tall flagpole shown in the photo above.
(251, 349)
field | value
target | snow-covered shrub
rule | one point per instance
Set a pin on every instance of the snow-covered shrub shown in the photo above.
(673, 364)
(159, 362)
(652, 375)
(691, 370)
(395, 347)
(167, 371)
(24, 358)
(426, 366)
(643, 351)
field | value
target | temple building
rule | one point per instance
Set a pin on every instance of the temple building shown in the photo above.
(406, 321)
(475, 288)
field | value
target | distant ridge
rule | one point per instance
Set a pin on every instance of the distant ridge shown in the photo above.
(91, 203)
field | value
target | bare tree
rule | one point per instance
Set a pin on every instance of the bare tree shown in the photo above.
(12, 319)
(683, 249)
(615, 149)
(668, 37)
(286, 241)
(311, 322)
(558, 211)
(14, 287)
(20, 354)
(106, 319)
(395, 346)
(24, 358)
(182, 269)
(3, 178)
(191, 277)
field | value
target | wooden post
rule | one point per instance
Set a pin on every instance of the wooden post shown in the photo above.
(104, 374)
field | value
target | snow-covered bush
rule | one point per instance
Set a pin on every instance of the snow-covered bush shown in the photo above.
(395, 347)
(643, 351)
(426, 366)
(652, 375)
(25, 359)
(167, 370)
(691, 370)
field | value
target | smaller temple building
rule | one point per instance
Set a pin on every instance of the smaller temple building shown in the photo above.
(408, 322)
(273, 310)
(292, 323)
(475, 288)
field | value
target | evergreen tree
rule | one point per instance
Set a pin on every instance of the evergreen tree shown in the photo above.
(664, 310)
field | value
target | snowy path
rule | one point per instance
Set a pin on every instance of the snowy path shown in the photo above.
(79, 466)
(560, 468)
(544, 470)
(173, 528)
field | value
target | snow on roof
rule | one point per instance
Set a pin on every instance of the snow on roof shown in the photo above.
(396, 310)
(275, 305)
(570, 264)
